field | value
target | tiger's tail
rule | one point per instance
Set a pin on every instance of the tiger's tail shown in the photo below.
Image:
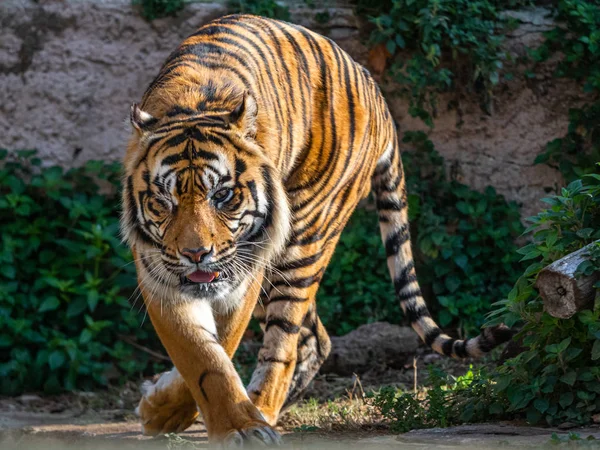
(390, 193)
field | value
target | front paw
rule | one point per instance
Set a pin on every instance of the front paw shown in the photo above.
(165, 407)
(256, 434)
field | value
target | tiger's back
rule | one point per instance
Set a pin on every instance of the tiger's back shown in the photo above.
(310, 95)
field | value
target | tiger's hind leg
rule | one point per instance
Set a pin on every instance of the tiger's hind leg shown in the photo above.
(313, 348)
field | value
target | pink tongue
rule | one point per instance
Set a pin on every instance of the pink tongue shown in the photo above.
(201, 277)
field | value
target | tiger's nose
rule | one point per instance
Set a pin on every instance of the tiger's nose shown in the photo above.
(197, 255)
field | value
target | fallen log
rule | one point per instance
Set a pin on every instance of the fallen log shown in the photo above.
(562, 292)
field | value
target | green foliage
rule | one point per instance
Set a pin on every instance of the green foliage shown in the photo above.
(266, 8)
(154, 9)
(451, 44)
(574, 438)
(557, 378)
(64, 279)
(466, 256)
(576, 40)
(448, 401)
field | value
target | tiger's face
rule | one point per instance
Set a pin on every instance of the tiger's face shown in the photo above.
(201, 206)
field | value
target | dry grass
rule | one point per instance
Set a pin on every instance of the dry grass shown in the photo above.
(352, 411)
(333, 415)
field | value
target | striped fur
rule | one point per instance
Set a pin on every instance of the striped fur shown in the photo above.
(298, 133)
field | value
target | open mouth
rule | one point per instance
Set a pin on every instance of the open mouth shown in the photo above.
(200, 277)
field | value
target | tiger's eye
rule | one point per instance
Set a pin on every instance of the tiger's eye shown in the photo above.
(222, 195)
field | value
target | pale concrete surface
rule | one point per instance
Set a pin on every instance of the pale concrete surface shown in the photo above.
(127, 435)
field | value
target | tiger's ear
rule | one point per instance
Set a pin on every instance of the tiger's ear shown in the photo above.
(243, 116)
(141, 120)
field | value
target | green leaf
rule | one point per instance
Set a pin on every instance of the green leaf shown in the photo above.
(56, 359)
(566, 399)
(400, 41)
(452, 283)
(596, 350)
(85, 337)
(76, 307)
(49, 304)
(92, 299)
(461, 261)
(569, 378)
(391, 47)
(541, 404)
(8, 271)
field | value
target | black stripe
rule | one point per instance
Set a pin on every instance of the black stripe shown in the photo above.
(460, 349)
(180, 110)
(301, 263)
(315, 333)
(409, 294)
(174, 159)
(447, 347)
(240, 167)
(141, 234)
(414, 312)
(201, 381)
(405, 277)
(283, 324)
(390, 204)
(300, 282)
(432, 336)
(394, 241)
(269, 192)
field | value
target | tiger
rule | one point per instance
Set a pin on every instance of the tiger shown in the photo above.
(248, 154)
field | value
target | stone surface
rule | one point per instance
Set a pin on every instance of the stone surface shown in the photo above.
(78, 68)
(126, 435)
(70, 69)
(369, 345)
(491, 436)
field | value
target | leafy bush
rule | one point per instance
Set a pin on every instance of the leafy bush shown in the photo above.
(154, 9)
(266, 8)
(576, 40)
(451, 43)
(448, 401)
(557, 378)
(464, 243)
(65, 279)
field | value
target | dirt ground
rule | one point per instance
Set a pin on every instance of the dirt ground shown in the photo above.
(103, 420)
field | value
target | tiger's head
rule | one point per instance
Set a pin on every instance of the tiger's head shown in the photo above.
(203, 208)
